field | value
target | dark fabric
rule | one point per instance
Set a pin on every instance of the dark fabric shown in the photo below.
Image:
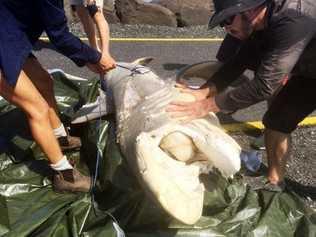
(92, 9)
(227, 8)
(286, 40)
(22, 23)
(294, 102)
(237, 56)
(29, 206)
(228, 49)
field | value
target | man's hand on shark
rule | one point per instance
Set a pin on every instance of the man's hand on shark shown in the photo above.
(187, 111)
(105, 64)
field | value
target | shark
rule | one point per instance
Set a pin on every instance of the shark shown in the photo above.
(165, 155)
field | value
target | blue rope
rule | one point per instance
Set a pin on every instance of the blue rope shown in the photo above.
(98, 161)
(120, 232)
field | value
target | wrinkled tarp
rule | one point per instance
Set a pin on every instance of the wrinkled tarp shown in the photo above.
(29, 207)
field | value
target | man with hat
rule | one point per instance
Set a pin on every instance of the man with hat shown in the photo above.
(276, 39)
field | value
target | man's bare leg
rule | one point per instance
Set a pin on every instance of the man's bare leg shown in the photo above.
(278, 146)
(45, 85)
(88, 26)
(26, 96)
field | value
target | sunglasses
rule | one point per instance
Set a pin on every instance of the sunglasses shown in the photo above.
(228, 21)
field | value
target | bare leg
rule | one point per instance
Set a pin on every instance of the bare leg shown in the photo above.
(88, 26)
(26, 96)
(278, 146)
(45, 85)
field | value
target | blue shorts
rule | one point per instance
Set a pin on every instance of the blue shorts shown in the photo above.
(15, 46)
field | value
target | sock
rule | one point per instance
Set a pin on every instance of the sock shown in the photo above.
(60, 132)
(63, 164)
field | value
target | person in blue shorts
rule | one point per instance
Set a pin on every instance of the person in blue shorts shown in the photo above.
(26, 84)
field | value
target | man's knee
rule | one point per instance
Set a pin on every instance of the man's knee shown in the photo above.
(38, 110)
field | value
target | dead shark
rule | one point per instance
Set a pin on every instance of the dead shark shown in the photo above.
(166, 156)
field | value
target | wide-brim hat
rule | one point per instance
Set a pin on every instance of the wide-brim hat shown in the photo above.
(232, 8)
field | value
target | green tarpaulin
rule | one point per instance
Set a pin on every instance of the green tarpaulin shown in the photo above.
(29, 207)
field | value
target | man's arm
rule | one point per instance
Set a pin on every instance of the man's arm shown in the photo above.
(285, 43)
(230, 58)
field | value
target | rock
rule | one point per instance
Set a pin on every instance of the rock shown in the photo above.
(111, 16)
(109, 11)
(139, 12)
(188, 12)
(154, 12)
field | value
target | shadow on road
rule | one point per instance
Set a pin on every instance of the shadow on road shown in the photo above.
(173, 66)
(41, 44)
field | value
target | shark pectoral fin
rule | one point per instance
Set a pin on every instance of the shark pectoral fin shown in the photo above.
(93, 110)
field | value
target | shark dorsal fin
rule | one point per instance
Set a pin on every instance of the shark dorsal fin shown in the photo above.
(143, 61)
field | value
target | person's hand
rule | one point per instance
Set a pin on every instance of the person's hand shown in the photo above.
(187, 111)
(105, 64)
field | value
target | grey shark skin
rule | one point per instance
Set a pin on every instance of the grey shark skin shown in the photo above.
(166, 156)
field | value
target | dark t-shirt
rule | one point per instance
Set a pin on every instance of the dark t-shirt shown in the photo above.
(284, 47)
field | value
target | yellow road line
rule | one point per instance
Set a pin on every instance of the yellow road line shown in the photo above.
(154, 39)
(257, 125)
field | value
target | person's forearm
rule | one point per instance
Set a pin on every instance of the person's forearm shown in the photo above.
(246, 94)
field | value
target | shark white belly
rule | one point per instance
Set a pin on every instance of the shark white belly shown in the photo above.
(166, 156)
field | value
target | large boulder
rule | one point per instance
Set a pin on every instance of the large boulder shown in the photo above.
(155, 12)
(109, 11)
(190, 12)
(140, 12)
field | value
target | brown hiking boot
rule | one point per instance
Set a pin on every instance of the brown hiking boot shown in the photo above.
(71, 180)
(69, 143)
